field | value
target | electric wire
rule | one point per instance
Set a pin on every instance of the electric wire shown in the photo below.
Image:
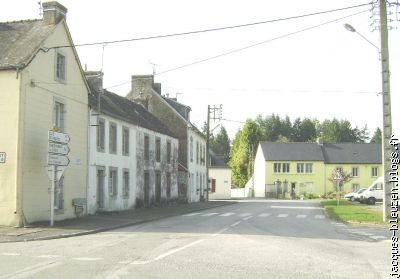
(214, 29)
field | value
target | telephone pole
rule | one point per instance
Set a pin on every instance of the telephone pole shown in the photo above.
(387, 116)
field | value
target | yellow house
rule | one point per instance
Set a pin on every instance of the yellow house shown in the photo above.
(41, 85)
(283, 168)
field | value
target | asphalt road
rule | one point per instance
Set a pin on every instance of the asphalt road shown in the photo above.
(250, 239)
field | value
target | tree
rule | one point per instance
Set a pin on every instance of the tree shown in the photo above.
(303, 130)
(335, 131)
(220, 143)
(240, 154)
(274, 126)
(377, 137)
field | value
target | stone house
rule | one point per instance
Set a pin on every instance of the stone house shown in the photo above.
(133, 157)
(192, 143)
(41, 85)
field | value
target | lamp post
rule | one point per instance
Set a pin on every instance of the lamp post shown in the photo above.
(387, 115)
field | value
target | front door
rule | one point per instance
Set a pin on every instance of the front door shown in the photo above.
(100, 188)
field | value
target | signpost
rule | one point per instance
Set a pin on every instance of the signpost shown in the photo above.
(57, 151)
(337, 177)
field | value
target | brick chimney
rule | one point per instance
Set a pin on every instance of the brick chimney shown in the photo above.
(53, 12)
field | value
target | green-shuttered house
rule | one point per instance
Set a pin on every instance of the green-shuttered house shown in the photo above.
(308, 167)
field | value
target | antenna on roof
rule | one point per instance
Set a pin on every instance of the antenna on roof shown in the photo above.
(153, 65)
(40, 8)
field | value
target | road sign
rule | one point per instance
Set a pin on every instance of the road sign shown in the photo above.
(59, 172)
(337, 176)
(58, 148)
(57, 160)
(2, 157)
(58, 137)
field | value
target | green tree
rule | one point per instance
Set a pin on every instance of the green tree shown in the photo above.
(304, 130)
(274, 126)
(335, 131)
(377, 137)
(240, 153)
(220, 143)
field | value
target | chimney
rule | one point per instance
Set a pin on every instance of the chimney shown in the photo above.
(141, 84)
(53, 12)
(157, 87)
(142, 100)
(95, 80)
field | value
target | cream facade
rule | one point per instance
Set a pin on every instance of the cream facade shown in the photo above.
(220, 180)
(196, 166)
(47, 89)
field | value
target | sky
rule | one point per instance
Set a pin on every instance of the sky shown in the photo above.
(300, 67)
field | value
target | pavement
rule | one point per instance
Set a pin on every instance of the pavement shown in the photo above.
(101, 222)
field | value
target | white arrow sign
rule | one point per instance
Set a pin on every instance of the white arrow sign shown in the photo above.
(57, 160)
(58, 148)
(50, 170)
(58, 137)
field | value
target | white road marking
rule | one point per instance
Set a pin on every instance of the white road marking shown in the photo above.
(87, 259)
(282, 215)
(173, 251)
(264, 215)
(191, 214)
(140, 262)
(296, 207)
(319, 216)
(227, 214)
(235, 224)
(48, 256)
(247, 218)
(364, 233)
(10, 254)
(301, 216)
(125, 262)
(245, 214)
(209, 214)
(376, 237)
(29, 271)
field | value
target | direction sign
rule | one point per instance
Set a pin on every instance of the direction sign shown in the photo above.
(338, 176)
(58, 148)
(58, 137)
(50, 172)
(57, 160)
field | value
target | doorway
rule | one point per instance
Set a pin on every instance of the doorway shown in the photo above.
(100, 188)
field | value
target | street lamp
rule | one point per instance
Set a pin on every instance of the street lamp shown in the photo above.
(352, 29)
(386, 104)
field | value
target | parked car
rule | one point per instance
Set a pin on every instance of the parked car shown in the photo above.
(373, 193)
(355, 196)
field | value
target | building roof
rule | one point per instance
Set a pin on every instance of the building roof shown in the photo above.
(126, 110)
(20, 41)
(339, 153)
(291, 151)
(352, 153)
(218, 161)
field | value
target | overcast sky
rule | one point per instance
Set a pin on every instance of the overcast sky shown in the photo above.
(293, 70)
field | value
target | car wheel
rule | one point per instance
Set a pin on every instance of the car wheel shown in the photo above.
(371, 201)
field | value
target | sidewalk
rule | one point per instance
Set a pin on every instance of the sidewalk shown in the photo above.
(102, 222)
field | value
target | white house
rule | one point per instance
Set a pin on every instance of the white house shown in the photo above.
(133, 158)
(220, 176)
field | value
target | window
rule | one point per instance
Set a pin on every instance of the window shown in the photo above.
(197, 152)
(285, 167)
(300, 167)
(168, 185)
(309, 167)
(277, 167)
(354, 171)
(146, 147)
(100, 135)
(59, 194)
(113, 138)
(112, 181)
(213, 185)
(158, 149)
(191, 149)
(339, 169)
(201, 154)
(125, 141)
(374, 171)
(59, 116)
(60, 67)
(125, 183)
(168, 152)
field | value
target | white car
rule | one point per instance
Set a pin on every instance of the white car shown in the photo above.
(354, 196)
(373, 193)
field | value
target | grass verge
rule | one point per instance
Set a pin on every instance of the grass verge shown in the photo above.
(350, 212)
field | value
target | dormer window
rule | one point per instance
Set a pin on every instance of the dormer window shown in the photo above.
(60, 67)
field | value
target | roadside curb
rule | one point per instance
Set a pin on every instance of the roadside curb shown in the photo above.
(104, 229)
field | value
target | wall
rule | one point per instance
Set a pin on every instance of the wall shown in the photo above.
(223, 183)
(38, 119)
(197, 170)
(259, 173)
(9, 123)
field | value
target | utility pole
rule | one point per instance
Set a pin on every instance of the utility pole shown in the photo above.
(387, 116)
(210, 110)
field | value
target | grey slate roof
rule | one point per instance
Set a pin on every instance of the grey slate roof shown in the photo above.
(121, 108)
(20, 40)
(218, 161)
(291, 151)
(180, 108)
(339, 153)
(353, 153)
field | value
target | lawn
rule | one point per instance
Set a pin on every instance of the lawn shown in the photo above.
(352, 212)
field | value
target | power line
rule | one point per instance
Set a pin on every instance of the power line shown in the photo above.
(214, 29)
(247, 47)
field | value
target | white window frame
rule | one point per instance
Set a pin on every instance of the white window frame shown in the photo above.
(374, 171)
(60, 71)
(300, 167)
(113, 181)
(277, 167)
(354, 171)
(285, 167)
(59, 113)
(309, 167)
